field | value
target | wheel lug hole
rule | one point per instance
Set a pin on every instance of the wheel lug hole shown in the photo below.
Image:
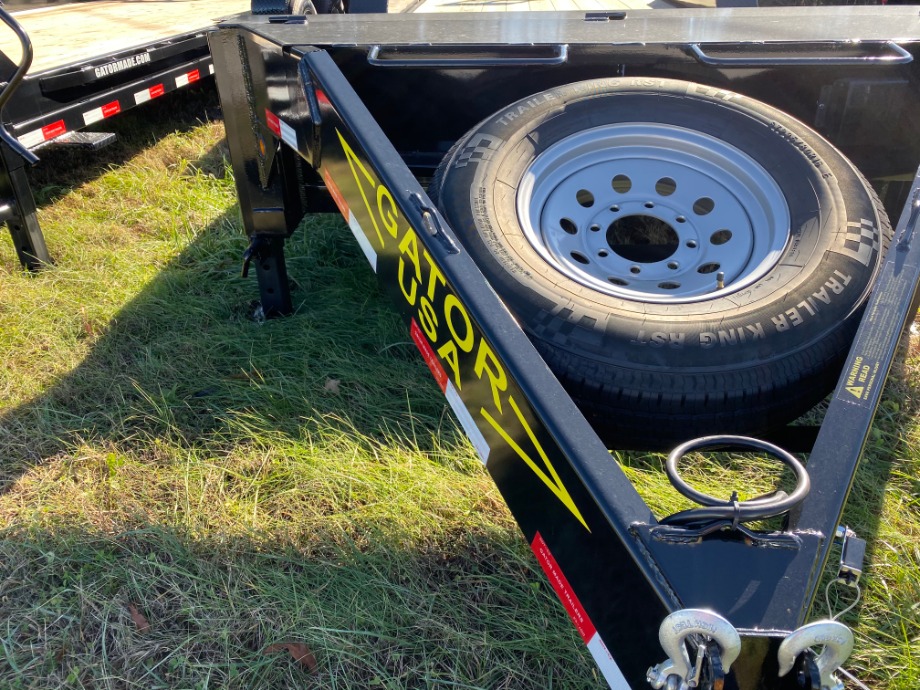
(615, 208)
(691, 244)
(602, 253)
(681, 219)
(649, 204)
(595, 228)
(673, 265)
(635, 270)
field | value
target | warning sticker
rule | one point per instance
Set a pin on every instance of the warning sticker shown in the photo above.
(863, 374)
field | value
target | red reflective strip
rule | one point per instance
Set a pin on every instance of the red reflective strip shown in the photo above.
(157, 90)
(110, 109)
(193, 76)
(336, 193)
(563, 589)
(322, 97)
(55, 129)
(421, 342)
(274, 124)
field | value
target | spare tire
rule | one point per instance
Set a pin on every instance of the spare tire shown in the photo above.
(687, 260)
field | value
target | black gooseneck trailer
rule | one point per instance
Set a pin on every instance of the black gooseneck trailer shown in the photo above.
(360, 109)
(559, 147)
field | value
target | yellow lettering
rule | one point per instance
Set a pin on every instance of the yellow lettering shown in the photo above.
(453, 306)
(487, 363)
(390, 215)
(428, 319)
(434, 276)
(408, 246)
(410, 296)
(550, 477)
(448, 352)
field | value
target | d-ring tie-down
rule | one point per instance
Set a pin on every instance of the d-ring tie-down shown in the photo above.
(732, 510)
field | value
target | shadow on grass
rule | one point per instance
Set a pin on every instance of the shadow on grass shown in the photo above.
(184, 387)
(150, 607)
(185, 360)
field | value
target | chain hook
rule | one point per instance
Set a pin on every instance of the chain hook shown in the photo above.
(675, 629)
(837, 640)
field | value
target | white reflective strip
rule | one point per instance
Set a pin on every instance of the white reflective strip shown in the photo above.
(142, 96)
(94, 115)
(466, 421)
(33, 138)
(362, 240)
(609, 669)
(182, 80)
(288, 136)
(210, 69)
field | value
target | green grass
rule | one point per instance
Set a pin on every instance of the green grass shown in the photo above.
(182, 486)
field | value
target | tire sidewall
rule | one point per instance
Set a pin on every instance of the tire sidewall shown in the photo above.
(819, 281)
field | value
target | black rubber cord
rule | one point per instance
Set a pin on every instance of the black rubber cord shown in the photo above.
(733, 510)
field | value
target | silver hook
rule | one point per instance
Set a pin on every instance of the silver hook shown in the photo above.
(680, 625)
(837, 640)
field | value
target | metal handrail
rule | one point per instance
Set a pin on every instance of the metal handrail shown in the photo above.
(560, 56)
(900, 56)
(7, 90)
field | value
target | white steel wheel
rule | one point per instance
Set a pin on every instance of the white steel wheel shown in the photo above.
(653, 212)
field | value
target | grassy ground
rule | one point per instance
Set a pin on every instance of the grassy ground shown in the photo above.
(191, 498)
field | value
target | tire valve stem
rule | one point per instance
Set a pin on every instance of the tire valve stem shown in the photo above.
(720, 280)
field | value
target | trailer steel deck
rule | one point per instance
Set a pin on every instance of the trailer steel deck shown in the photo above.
(67, 34)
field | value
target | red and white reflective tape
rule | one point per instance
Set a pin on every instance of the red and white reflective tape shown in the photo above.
(46, 133)
(154, 91)
(450, 392)
(281, 129)
(369, 253)
(608, 667)
(102, 112)
(187, 78)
